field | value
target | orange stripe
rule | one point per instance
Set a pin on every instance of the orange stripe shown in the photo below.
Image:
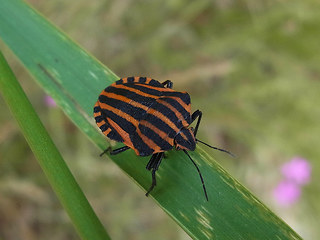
(99, 124)
(148, 80)
(123, 134)
(160, 89)
(176, 112)
(135, 91)
(151, 144)
(126, 100)
(163, 118)
(106, 132)
(96, 105)
(124, 80)
(184, 136)
(97, 114)
(136, 104)
(182, 103)
(120, 113)
(136, 79)
(161, 133)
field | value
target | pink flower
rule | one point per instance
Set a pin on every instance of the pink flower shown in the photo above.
(296, 173)
(49, 101)
(286, 193)
(298, 170)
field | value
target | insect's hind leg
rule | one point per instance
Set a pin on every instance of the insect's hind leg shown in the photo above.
(167, 84)
(153, 165)
(115, 151)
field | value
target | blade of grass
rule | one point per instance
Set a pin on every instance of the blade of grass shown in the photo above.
(49, 158)
(75, 79)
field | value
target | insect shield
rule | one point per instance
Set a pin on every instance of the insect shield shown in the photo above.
(150, 118)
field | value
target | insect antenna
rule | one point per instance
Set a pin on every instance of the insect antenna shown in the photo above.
(204, 187)
(219, 149)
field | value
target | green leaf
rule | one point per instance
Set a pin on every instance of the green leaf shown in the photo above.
(49, 158)
(75, 79)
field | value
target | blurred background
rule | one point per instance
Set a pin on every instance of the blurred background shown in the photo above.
(251, 66)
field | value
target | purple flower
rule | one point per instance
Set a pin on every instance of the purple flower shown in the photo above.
(286, 193)
(49, 101)
(298, 171)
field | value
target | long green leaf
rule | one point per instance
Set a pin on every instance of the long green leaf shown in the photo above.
(49, 158)
(75, 79)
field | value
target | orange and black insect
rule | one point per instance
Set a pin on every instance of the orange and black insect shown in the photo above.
(150, 118)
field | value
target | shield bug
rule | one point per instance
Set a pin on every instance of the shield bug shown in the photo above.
(150, 118)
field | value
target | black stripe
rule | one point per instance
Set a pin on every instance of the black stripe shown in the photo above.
(130, 79)
(144, 88)
(142, 79)
(98, 119)
(139, 114)
(155, 83)
(163, 144)
(120, 81)
(136, 112)
(185, 97)
(104, 127)
(96, 109)
(168, 113)
(114, 135)
(189, 144)
(174, 103)
(157, 122)
(128, 127)
(147, 101)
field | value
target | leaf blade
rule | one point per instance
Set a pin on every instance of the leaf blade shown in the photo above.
(232, 213)
(49, 158)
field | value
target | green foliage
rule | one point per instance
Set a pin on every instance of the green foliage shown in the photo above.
(57, 172)
(75, 79)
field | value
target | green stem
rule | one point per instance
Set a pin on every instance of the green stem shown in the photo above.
(49, 158)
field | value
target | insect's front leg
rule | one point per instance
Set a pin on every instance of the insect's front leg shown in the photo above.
(194, 116)
(168, 83)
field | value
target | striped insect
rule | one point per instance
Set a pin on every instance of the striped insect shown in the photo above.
(150, 118)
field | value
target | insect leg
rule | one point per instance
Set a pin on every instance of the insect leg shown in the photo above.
(154, 182)
(168, 83)
(152, 161)
(115, 151)
(194, 116)
(154, 164)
